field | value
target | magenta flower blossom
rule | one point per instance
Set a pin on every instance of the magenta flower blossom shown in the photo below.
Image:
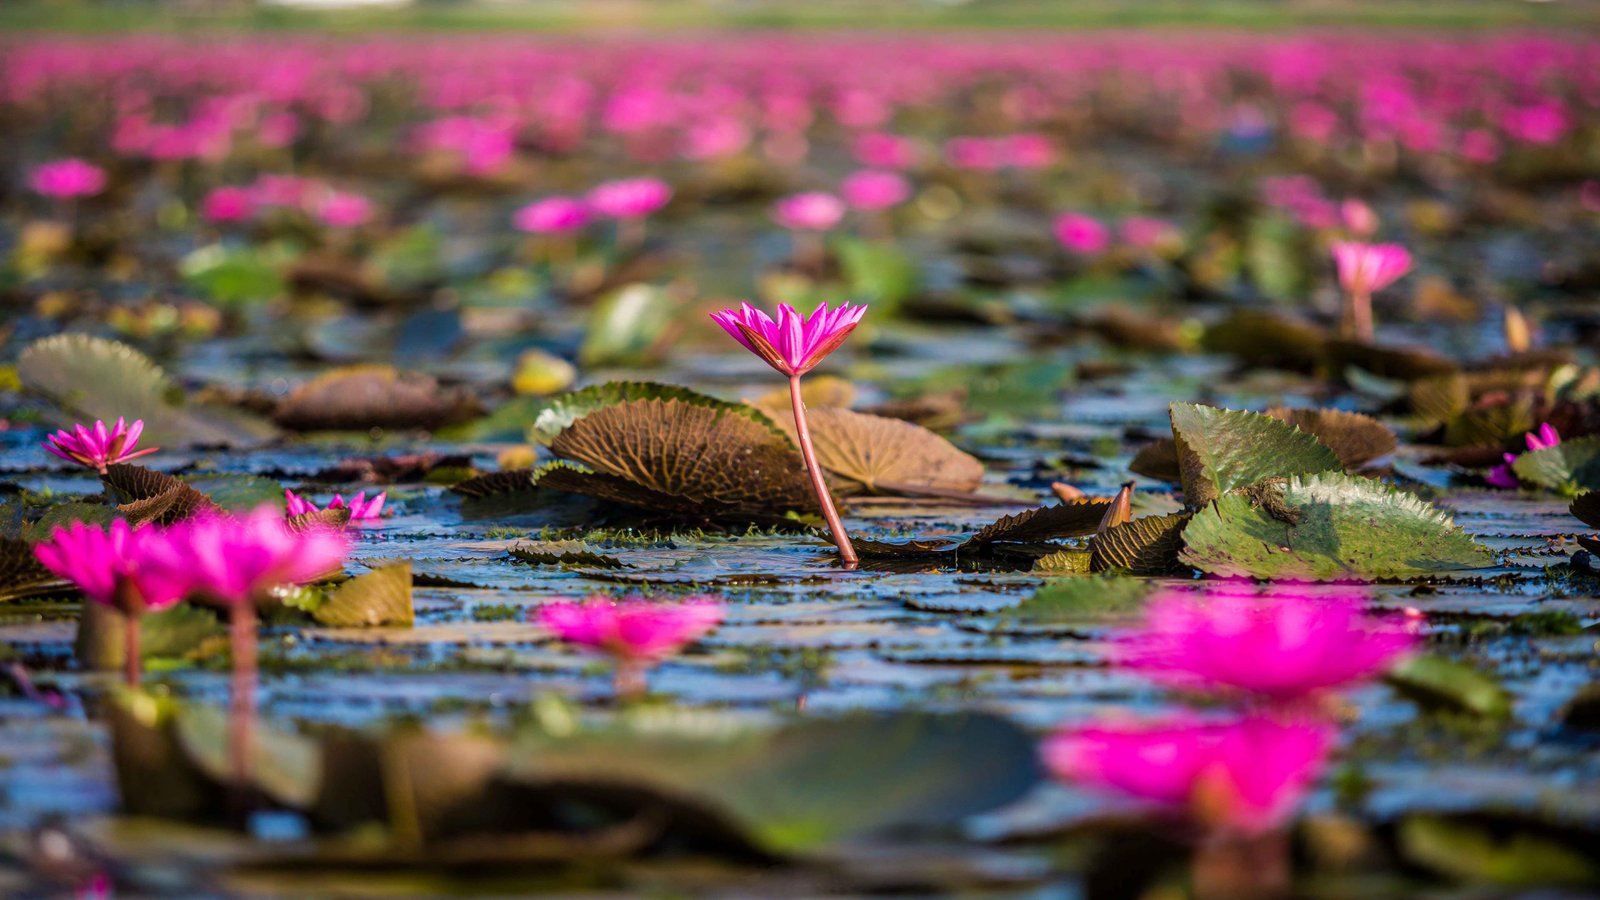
(1502, 476)
(552, 215)
(793, 345)
(885, 151)
(1359, 219)
(1081, 234)
(65, 179)
(872, 189)
(629, 198)
(1363, 269)
(99, 447)
(636, 632)
(1244, 776)
(1282, 646)
(228, 204)
(809, 211)
(342, 209)
(239, 561)
(361, 509)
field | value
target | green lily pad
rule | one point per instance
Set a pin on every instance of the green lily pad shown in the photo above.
(1078, 601)
(379, 597)
(1221, 450)
(1440, 683)
(1464, 851)
(1327, 527)
(1569, 466)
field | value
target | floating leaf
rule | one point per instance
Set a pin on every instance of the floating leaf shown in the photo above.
(1492, 425)
(1062, 562)
(629, 326)
(1044, 523)
(507, 482)
(1440, 683)
(238, 493)
(1221, 450)
(1327, 527)
(707, 460)
(235, 276)
(94, 378)
(1400, 363)
(812, 784)
(569, 408)
(567, 553)
(150, 496)
(1463, 851)
(1354, 438)
(890, 456)
(1268, 339)
(379, 597)
(1075, 601)
(333, 518)
(63, 514)
(1144, 546)
(21, 574)
(1568, 466)
(358, 398)
(169, 633)
(285, 767)
(1586, 506)
(1439, 398)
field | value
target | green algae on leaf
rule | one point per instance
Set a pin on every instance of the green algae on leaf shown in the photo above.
(1327, 527)
(1222, 450)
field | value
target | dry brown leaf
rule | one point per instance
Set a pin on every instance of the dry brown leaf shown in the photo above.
(363, 397)
(1354, 438)
(889, 456)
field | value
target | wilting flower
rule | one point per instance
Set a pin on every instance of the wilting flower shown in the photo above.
(1282, 645)
(1365, 268)
(1502, 476)
(810, 211)
(871, 189)
(361, 509)
(1247, 775)
(65, 179)
(552, 215)
(238, 561)
(228, 204)
(99, 447)
(793, 345)
(629, 198)
(1081, 234)
(636, 632)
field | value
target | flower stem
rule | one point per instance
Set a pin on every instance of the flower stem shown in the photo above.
(847, 553)
(242, 631)
(628, 680)
(1240, 867)
(1360, 316)
(130, 650)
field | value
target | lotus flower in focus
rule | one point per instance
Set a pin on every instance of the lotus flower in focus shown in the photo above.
(361, 508)
(1245, 775)
(793, 345)
(1283, 646)
(99, 447)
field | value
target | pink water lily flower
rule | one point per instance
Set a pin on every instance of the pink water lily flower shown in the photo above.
(552, 215)
(636, 632)
(361, 509)
(629, 198)
(228, 204)
(99, 447)
(793, 345)
(872, 189)
(1282, 645)
(1081, 234)
(239, 561)
(65, 179)
(809, 211)
(1363, 269)
(1359, 219)
(1245, 776)
(343, 209)
(1502, 476)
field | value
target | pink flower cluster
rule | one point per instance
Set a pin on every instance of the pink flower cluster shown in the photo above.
(332, 207)
(362, 510)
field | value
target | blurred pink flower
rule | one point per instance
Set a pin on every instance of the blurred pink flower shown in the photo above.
(885, 151)
(976, 153)
(1081, 234)
(552, 215)
(281, 190)
(238, 560)
(809, 211)
(629, 198)
(1479, 145)
(1281, 645)
(1028, 151)
(793, 345)
(1247, 775)
(228, 204)
(343, 209)
(1359, 219)
(1367, 268)
(106, 564)
(99, 447)
(871, 189)
(632, 630)
(65, 179)
(1503, 476)
(361, 509)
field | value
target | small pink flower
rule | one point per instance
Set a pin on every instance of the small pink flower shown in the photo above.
(1029, 151)
(871, 189)
(104, 563)
(1081, 234)
(629, 198)
(1479, 145)
(810, 211)
(238, 560)
(1359, 219)
(1281, 645)
(1503, 476)
(228, 204)
(65, 179)
(342, 209)
(633, 630)
(552, 215)
(99, 447)
(1367, 268)
(1543, 438)
(1246, 775)
(281, 190)
(975, 153)
(793, 345)
(361, 509)
(885, 151)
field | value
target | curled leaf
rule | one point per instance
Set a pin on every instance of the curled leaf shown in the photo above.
(1221, 450)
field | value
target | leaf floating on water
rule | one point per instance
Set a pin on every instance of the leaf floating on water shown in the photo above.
(1221, 450)
(1439, 683)
(1144, 546)
(150, 496)
(284, 766)
(61, 515)
(566, 553)
(374, 396)
(1043, 523)
(379, 597)
(333, 517)
(1327, 527)
(236, 492)
(1463, 850)
(1268, 339)
(889, 456)
(506, 482)
(1354, 438)
(94, 378)
(21, 574)
(1493, 425)
(1063, 562)
(569, 408)
(869, 548)
(1568, 466)
(168, 633)
(1586, 506)
(1401, 363)
(1079, 601)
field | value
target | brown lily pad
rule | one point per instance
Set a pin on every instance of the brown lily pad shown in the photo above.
(1044, 523)
(879, 455)
(362, 397)
(1399, 363)
(146, 495)
(506, 482)
(1144, 546)
(334, 518)
(1159, 460)
(21, 574)
(1586, 506)
(380, 597)
(1268, 339)
(1354, 438)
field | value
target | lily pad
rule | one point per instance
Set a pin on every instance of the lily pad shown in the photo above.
(1354, 438)
(1439, 683)
(374, 396)
(1044, 523)
(21, 574)
(569, 408)
(1145, 546)
(890, 456)
(146, 495)
(1568, 466)
(1221, 450)
(564, 553)
(379, 597)
(1327, 527)
(1078, 601)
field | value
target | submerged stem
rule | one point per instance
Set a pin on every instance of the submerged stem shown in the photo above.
(847, 553)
